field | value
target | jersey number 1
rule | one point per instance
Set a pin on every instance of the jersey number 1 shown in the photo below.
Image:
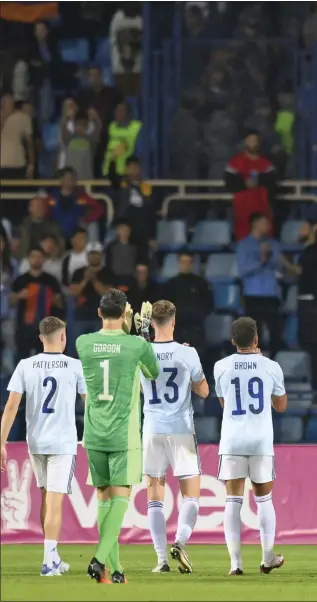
(105, 395)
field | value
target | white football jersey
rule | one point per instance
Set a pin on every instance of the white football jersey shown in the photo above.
(51, 382)
(167, 400)
(246, 382)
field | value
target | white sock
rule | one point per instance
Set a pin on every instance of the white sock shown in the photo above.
(267, 522)
(232, 529)
(158, 529)
(50, 546)
(187, 519)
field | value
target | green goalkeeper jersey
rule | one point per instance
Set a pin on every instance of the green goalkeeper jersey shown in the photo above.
(111, 361)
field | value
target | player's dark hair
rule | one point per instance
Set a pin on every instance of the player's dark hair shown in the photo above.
(50, 325)
(244, 331)
(163, 311)
(112, 304)
(255, 217)
(80, 231)
(37, 248)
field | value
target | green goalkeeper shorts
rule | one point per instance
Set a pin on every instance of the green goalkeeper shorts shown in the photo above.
(119, 468)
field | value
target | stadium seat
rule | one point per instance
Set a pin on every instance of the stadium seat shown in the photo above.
(211, 235)
(51, 136)
(291, 429)
(170, 266)
(198, 405)
(300, 395)
(134, 104)
(290, 232)
(74, 51)
(171, 235)
(227, 297)
(107, 76)
(290, 304)
(295, 365)
(221, 267)
(311, 430)
(218, 329)
(207, 429)
(103, 53)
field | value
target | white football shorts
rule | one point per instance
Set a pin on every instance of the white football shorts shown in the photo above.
(178, 451)
(260, 469)
(54, 472)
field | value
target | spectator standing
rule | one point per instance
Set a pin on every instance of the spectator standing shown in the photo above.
(69, 110)
(123, 255)
(144, 288)
(125, 39)
(36, 294)
(123, 139)
(76, 259)
(259, 260)
(191, 295)
(88, 285)
(251, 178)
(17, 149)
(53, 262)
(8, 272)
(81, 143)
(37, 226)
(307, 300)
(70, 205)
(134, 201)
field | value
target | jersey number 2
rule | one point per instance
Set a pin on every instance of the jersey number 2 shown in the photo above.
(105, 395)
(255, 394)
(49, 380)
(169, 383)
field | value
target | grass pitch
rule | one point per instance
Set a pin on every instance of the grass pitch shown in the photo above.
(296, 580)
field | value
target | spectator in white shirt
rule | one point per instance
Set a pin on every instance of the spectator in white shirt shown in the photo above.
(76, 258)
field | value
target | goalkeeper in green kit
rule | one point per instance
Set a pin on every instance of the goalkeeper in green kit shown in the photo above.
(112, 360)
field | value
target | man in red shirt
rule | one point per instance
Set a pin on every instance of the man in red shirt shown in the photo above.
(251, 178)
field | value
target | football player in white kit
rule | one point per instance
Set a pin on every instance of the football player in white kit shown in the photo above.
(169, 434)
(50, 381)
(248, 385)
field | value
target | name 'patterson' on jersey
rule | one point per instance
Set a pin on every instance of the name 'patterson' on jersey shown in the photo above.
(168, 407)
(51, 382)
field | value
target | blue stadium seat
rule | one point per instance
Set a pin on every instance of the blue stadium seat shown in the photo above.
(291, 429)
(300, 395)
(295, 365)
(291, 331)
(171, 235)
(74, 50)
(133, 101)
(227, 296)
(311, 430)
(51, 136)
(290, 236)
(218, 329)
(210, 235)
(102, 56)
(290, 304)
(198, 405)
(207, 429)
(170, 266)
(107, 76)
(221, 267)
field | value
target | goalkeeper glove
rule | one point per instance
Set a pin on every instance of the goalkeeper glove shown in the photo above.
(142, 321)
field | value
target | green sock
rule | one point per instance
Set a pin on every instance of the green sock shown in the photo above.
(110, 527)
(113, 559)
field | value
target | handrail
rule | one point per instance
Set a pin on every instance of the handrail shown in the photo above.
(302, 190)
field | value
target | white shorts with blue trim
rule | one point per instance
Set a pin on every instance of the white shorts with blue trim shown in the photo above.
(260, 469)
(54, 472)
(178, 451)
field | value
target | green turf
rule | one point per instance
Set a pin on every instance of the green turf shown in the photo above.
(296, 580)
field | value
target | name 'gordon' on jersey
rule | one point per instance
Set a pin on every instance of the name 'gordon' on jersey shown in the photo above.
(51, 382)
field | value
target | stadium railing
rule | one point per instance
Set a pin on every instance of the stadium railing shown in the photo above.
(173, 191)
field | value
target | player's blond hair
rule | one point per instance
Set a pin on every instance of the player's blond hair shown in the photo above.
(50, 325)
(162, 312)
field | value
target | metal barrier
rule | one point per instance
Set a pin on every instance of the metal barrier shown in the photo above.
(186, 190)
